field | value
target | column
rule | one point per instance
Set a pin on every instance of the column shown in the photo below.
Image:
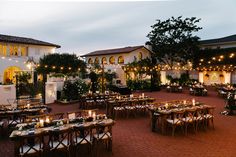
(200, 77)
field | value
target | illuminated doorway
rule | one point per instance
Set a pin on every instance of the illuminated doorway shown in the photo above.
(9, 74)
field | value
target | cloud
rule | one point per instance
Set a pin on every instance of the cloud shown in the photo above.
(81, 27)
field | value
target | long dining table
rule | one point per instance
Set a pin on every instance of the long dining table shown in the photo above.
(127, 100)
(163, 110)
(16, 115)
(33, 129)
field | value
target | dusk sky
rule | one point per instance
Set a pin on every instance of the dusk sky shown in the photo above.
(82, 27)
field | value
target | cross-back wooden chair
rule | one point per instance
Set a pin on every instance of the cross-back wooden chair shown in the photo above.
(74, 114)
(56, 116)
(176, 120)
(189, 119)
(209, 116)
(82, 135)
(103, 135)
(60, 141)
(31, 145)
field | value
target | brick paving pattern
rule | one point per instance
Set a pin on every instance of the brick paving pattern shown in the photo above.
(133, 137)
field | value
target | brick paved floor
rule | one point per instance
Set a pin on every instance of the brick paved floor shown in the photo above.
(133, 137)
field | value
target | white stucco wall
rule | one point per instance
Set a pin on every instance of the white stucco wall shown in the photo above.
(7, 94)
(34, 51)
(128, 58)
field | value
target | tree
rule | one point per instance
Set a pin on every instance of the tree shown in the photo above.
(173, 41)
(66, 64)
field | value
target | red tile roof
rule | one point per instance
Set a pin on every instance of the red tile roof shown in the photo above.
(231, 38)
(23, 40)
(114, 51)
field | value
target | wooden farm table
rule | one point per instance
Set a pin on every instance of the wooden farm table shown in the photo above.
(126, 101)
(17, 135)
(161, 113)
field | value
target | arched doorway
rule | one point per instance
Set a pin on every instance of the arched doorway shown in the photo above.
(9, 74)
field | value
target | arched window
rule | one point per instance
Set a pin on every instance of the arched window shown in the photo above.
(112, 60)
(140, 56)
(121, 60)
(104, 60)
(90, 61)
(96, 61)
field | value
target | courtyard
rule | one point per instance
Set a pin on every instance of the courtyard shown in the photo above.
(133, 136)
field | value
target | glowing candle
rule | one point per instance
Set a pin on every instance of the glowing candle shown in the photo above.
(193, 102)
(41, 122)
(28, 106)
(184, 102)
(166, 105)
(142, 95)
(89, 113)
(47, 120)
(94, 116)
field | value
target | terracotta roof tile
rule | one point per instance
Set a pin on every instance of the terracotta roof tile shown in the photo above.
(23, 40)
(113, 51)
(231, 38)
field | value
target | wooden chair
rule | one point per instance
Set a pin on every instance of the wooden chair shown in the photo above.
(35, 118)
(130, 108)
(118, 108)
(74, 114)
(176, 120)
(189, 118)
(103, 135)
(57, 116)
(31, 145)
(209, 116)
(199, 118)
(82, 135)
(59, 141)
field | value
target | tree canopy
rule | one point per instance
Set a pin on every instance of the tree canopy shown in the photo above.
(60, 63)
(173, 41)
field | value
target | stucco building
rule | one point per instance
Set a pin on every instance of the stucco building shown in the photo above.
(114, 59)
(16, 51)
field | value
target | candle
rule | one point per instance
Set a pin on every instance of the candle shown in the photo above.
(193, 102)
(166, 105)
(143, 95)
(47, 120)
(94, 116)
(41, 122)
(184, 102)
(28, 106)
(89, 113)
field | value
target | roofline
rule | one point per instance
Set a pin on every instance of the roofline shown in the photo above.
(27, 43)
(52, 45)
(138, 47)
(217, 43)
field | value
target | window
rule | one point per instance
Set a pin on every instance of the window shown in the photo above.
(90, 61)
(24, 51)
(96, 60)
(104, 60)
(11, 48)
(4, 50)
(1, 50)
(140, 56)
(112, 60)
(121, 60)
(15, 50)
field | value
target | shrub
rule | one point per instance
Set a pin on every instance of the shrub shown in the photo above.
(74, 90)
(139, 84)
